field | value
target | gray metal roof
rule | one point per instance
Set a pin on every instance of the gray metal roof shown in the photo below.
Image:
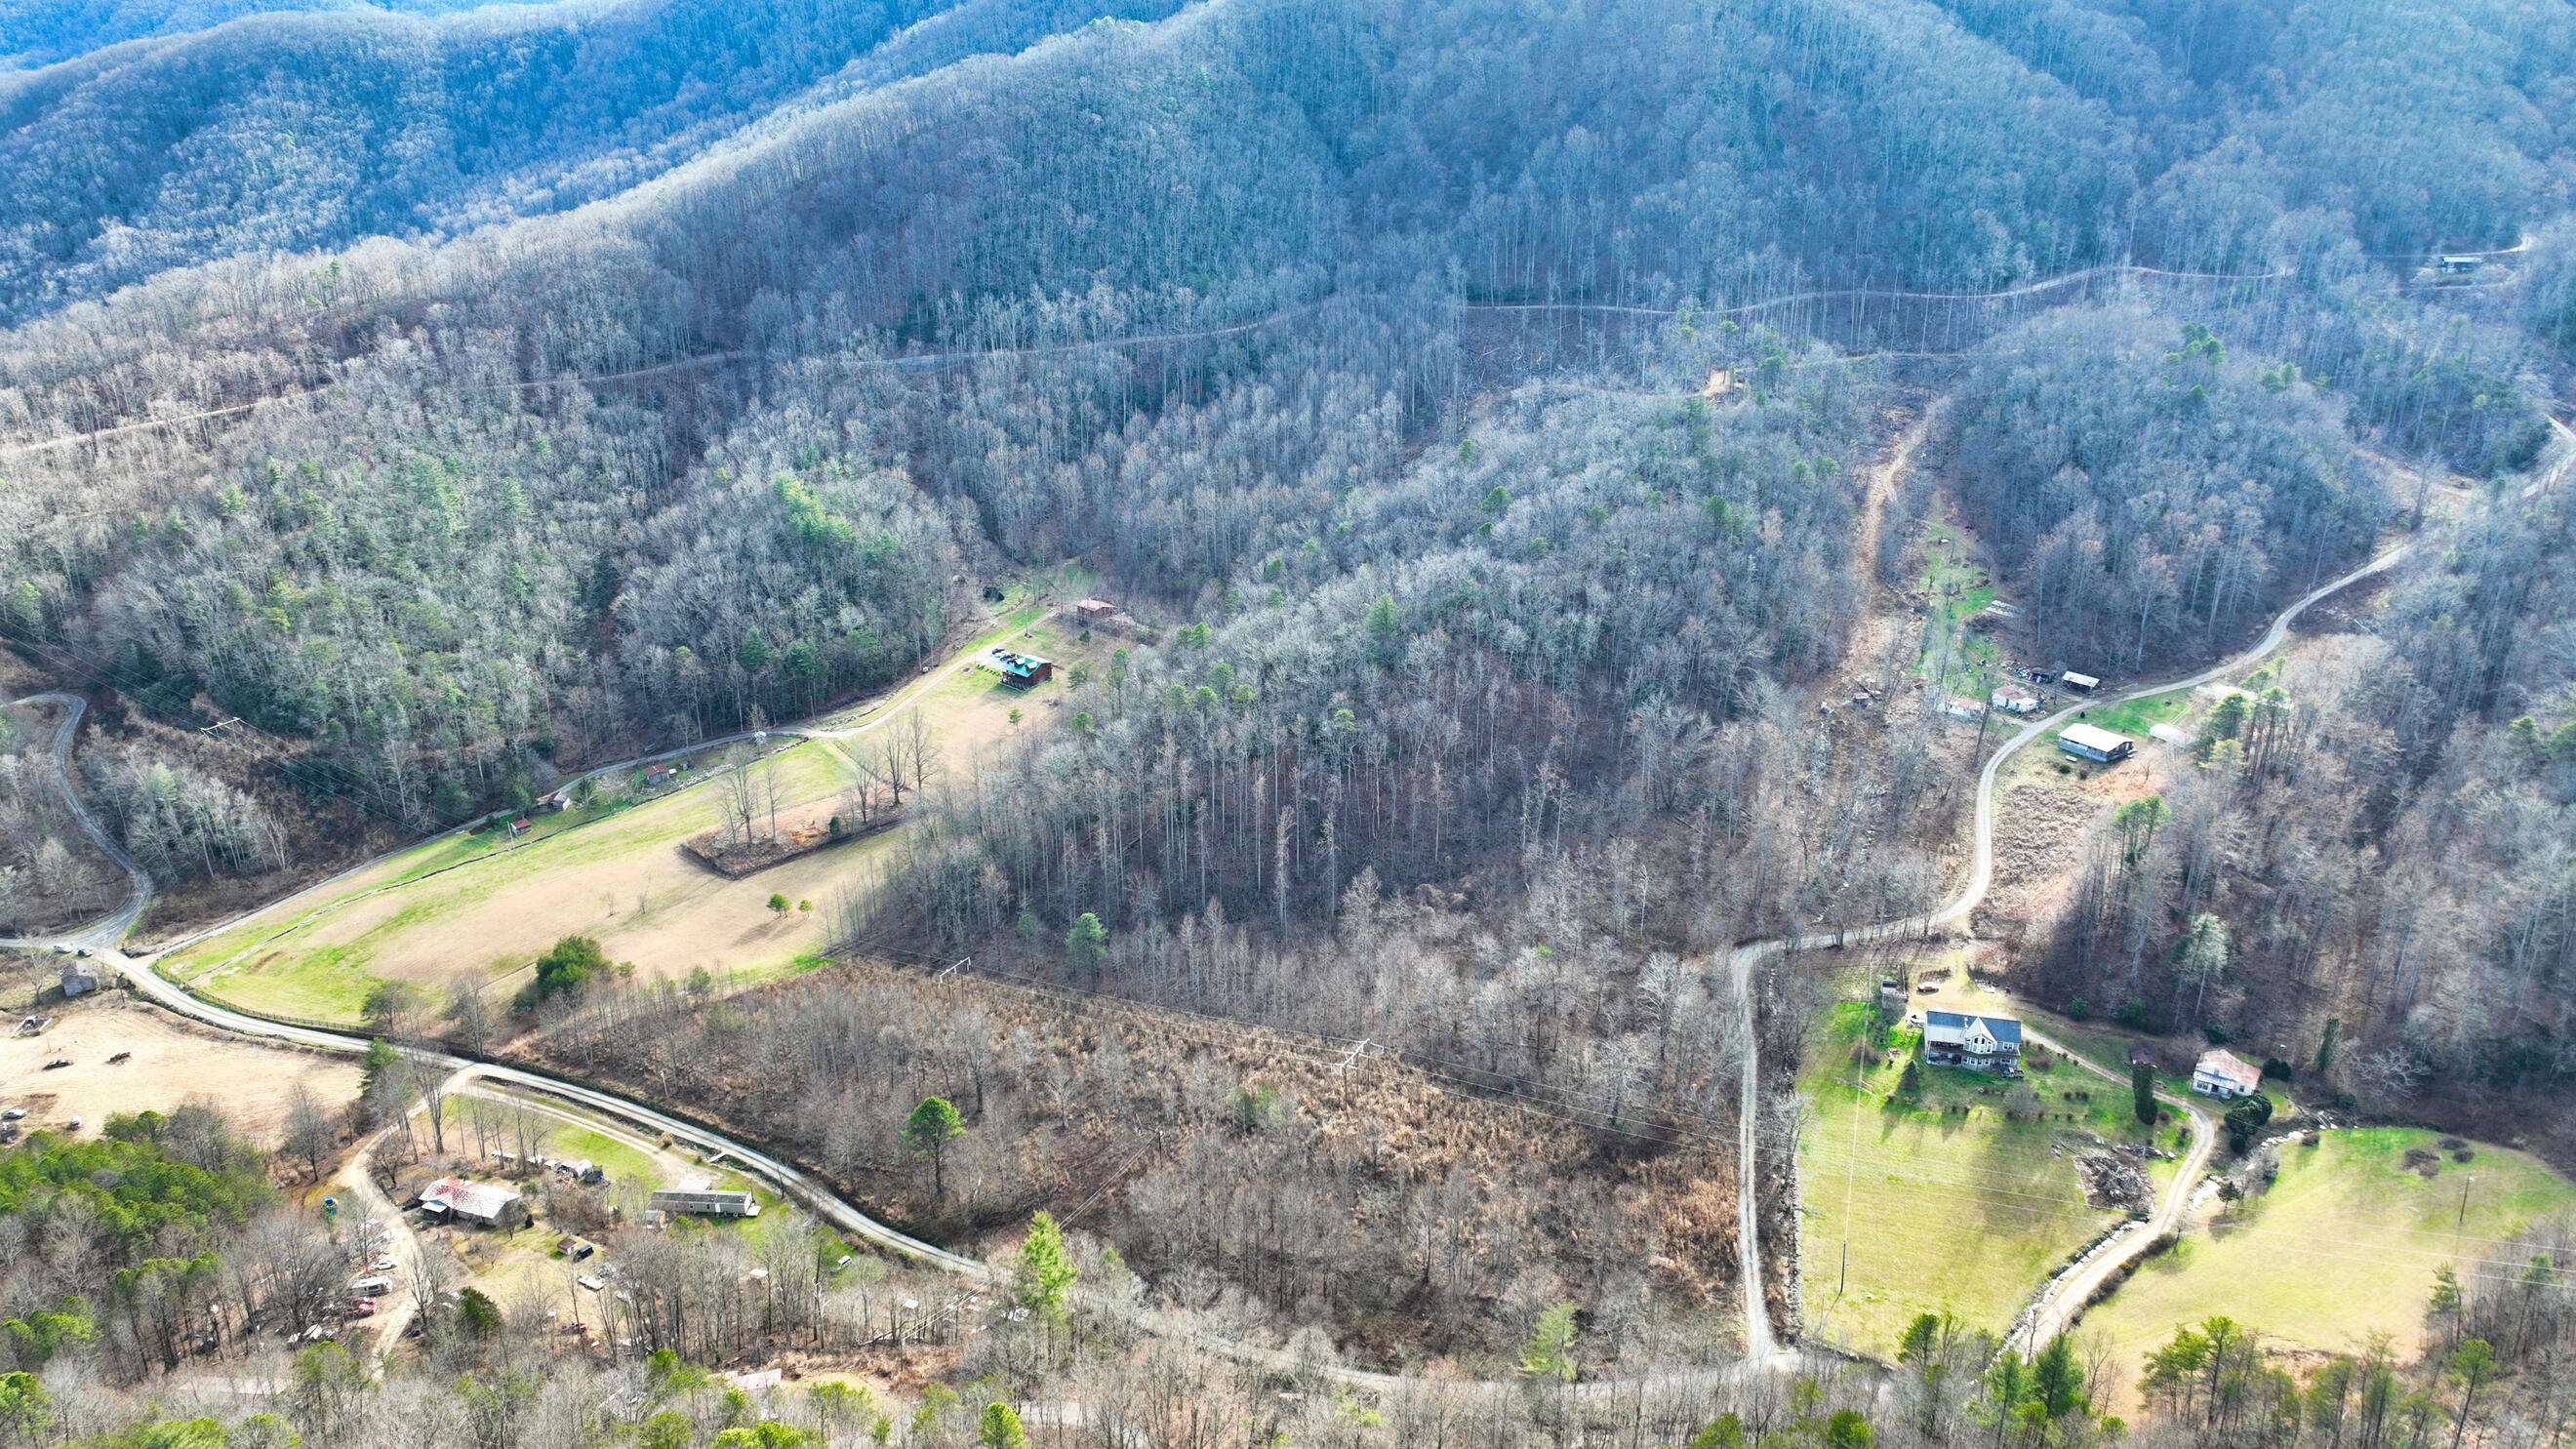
(2003, 1029)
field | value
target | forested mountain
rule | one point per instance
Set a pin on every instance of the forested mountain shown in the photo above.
(286, 132)
(41, 32)
(1498, 405)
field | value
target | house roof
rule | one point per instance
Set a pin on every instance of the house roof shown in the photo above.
(2227, 1066)
(2093, 737)
(1018, 663)
(473, 1199)
(2003, 1029)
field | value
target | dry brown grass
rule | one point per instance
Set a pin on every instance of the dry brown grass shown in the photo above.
(172, 1061)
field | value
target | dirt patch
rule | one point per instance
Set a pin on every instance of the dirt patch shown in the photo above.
(2038, 831)
(170, 1062)
(2114, 1183)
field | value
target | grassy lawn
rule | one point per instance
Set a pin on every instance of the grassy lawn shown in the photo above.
(2137, 716)
(1958, 658)
(2345, 1244)
(1953, 1207)
(479, 906)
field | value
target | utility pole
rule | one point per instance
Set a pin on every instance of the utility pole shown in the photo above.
(2463, 1220)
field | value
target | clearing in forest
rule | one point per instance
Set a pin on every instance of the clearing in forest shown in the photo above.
(482, 906)
(2344, 1244)
(1954, 1206)
(1960, 653)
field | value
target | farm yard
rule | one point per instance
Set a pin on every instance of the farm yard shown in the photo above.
(2345, 1244)
(170, 1062)
(616, 865)
(1949, 1202)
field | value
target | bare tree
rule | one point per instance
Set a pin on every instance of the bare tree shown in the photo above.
(311, 1133)
(429, 1081)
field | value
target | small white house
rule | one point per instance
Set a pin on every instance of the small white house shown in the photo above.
(2090, 742)
(1957, 707)
(2225, 1075)
(706, 1203)
(2013, 699)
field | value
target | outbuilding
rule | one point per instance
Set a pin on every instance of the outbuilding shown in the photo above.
(80, 977)
(2080, 683)
(2458, 266)
(705, 1203)
(1095, 610)
(2087, 742)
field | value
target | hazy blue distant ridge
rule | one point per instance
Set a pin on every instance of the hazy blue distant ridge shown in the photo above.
(40, 32)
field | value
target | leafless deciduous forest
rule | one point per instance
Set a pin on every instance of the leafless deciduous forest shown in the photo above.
(1503, 402)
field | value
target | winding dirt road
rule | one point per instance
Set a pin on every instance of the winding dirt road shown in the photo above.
(1761, 1342)
(2065, 1300)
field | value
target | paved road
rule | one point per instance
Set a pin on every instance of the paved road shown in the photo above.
(1761, 1343)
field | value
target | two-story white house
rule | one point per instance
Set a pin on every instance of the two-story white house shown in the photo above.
(1979, 1043)
(2225, 1075)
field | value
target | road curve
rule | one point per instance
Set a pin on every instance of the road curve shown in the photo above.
(1759, 1341)
(2064, 1299)
(107, 930)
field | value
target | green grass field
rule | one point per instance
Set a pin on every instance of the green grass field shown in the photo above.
(2137, 716)
(1952, 1206)
(1958, 658)
(451, 908)
(2345, 1244)
(330, 981)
